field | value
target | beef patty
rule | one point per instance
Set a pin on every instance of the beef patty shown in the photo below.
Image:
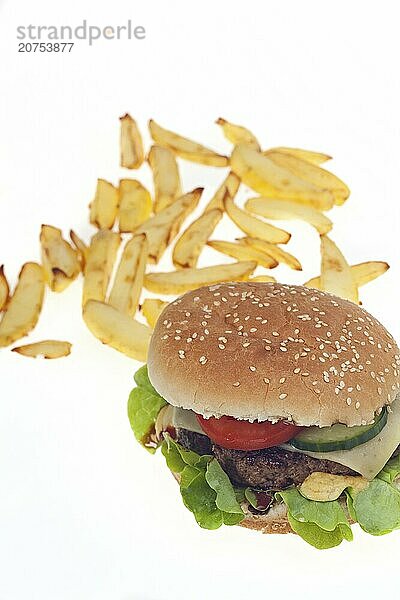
(268, 469)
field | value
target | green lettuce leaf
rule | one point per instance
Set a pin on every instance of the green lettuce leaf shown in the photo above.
(321, 524)
(318, 537)
(177, 457)
(377, 507)
(144, 404)
(326, 515)
(142, 380)
(391, 470)
(219, 481)
(205, 488)
(199, 498)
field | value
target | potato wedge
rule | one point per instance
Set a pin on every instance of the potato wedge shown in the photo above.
(167, 181)
(272, 250)
(263, 279)
(362, 273)
(324, 487)
(368, 271)
(231, 185)
(178, 282)
(312, 174)
(243, 252)
(132, 152)
(255, 227)
(4, 289)
(81, 248)
(189, 246)
(100, 262)
(48, 349)
(237, 134)
(60, 260)
(288, 210)
(104, 206)
(24, 306)
(128, 282)
(152, 309)
(269, 179)
(116, 329)
(135, 205)
(164, 226)
(336, 276)
(316, 158)
(186, 148)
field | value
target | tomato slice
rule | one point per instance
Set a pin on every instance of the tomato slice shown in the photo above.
(236, 434)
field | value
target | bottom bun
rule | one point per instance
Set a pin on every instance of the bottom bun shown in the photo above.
(275, 520)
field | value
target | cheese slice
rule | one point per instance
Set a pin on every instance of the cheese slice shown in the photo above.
(369, 458)
(185, 419)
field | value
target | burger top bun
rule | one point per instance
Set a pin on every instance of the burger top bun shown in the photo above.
(269, 351)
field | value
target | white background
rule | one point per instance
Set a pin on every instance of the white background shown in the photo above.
(85, 513)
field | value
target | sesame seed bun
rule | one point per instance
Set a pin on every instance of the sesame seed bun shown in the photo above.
(268, 351)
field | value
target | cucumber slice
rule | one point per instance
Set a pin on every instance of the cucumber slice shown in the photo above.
(338, 437)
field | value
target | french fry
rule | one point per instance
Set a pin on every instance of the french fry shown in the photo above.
(4, 289)
(104, 206)
(189, 246)
(316, 158)
(167, 181)
(152, 309)
(336, 276)
(81, 248)
(312, 174)
(362, 273)
(164, 226)
(269, 179)
(48, 349)
(254, 227)
(132, 153)
(287, 210)
(116, 329)
(230, 185)
(60, 261)
(178, 282)
(263, 279)
(134, 205)
(128, 283)
(243, 252)
(24, 306)
(272, 250)
(186, 148)
(100, 262)
(237, 134)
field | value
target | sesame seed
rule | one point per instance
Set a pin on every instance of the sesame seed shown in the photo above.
(252, 368)
(282, 380)
(297, 370)
(348, 400)
(282, 396)
(237, 383)
(202, 360)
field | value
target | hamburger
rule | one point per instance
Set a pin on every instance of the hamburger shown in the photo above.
(275, 407)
